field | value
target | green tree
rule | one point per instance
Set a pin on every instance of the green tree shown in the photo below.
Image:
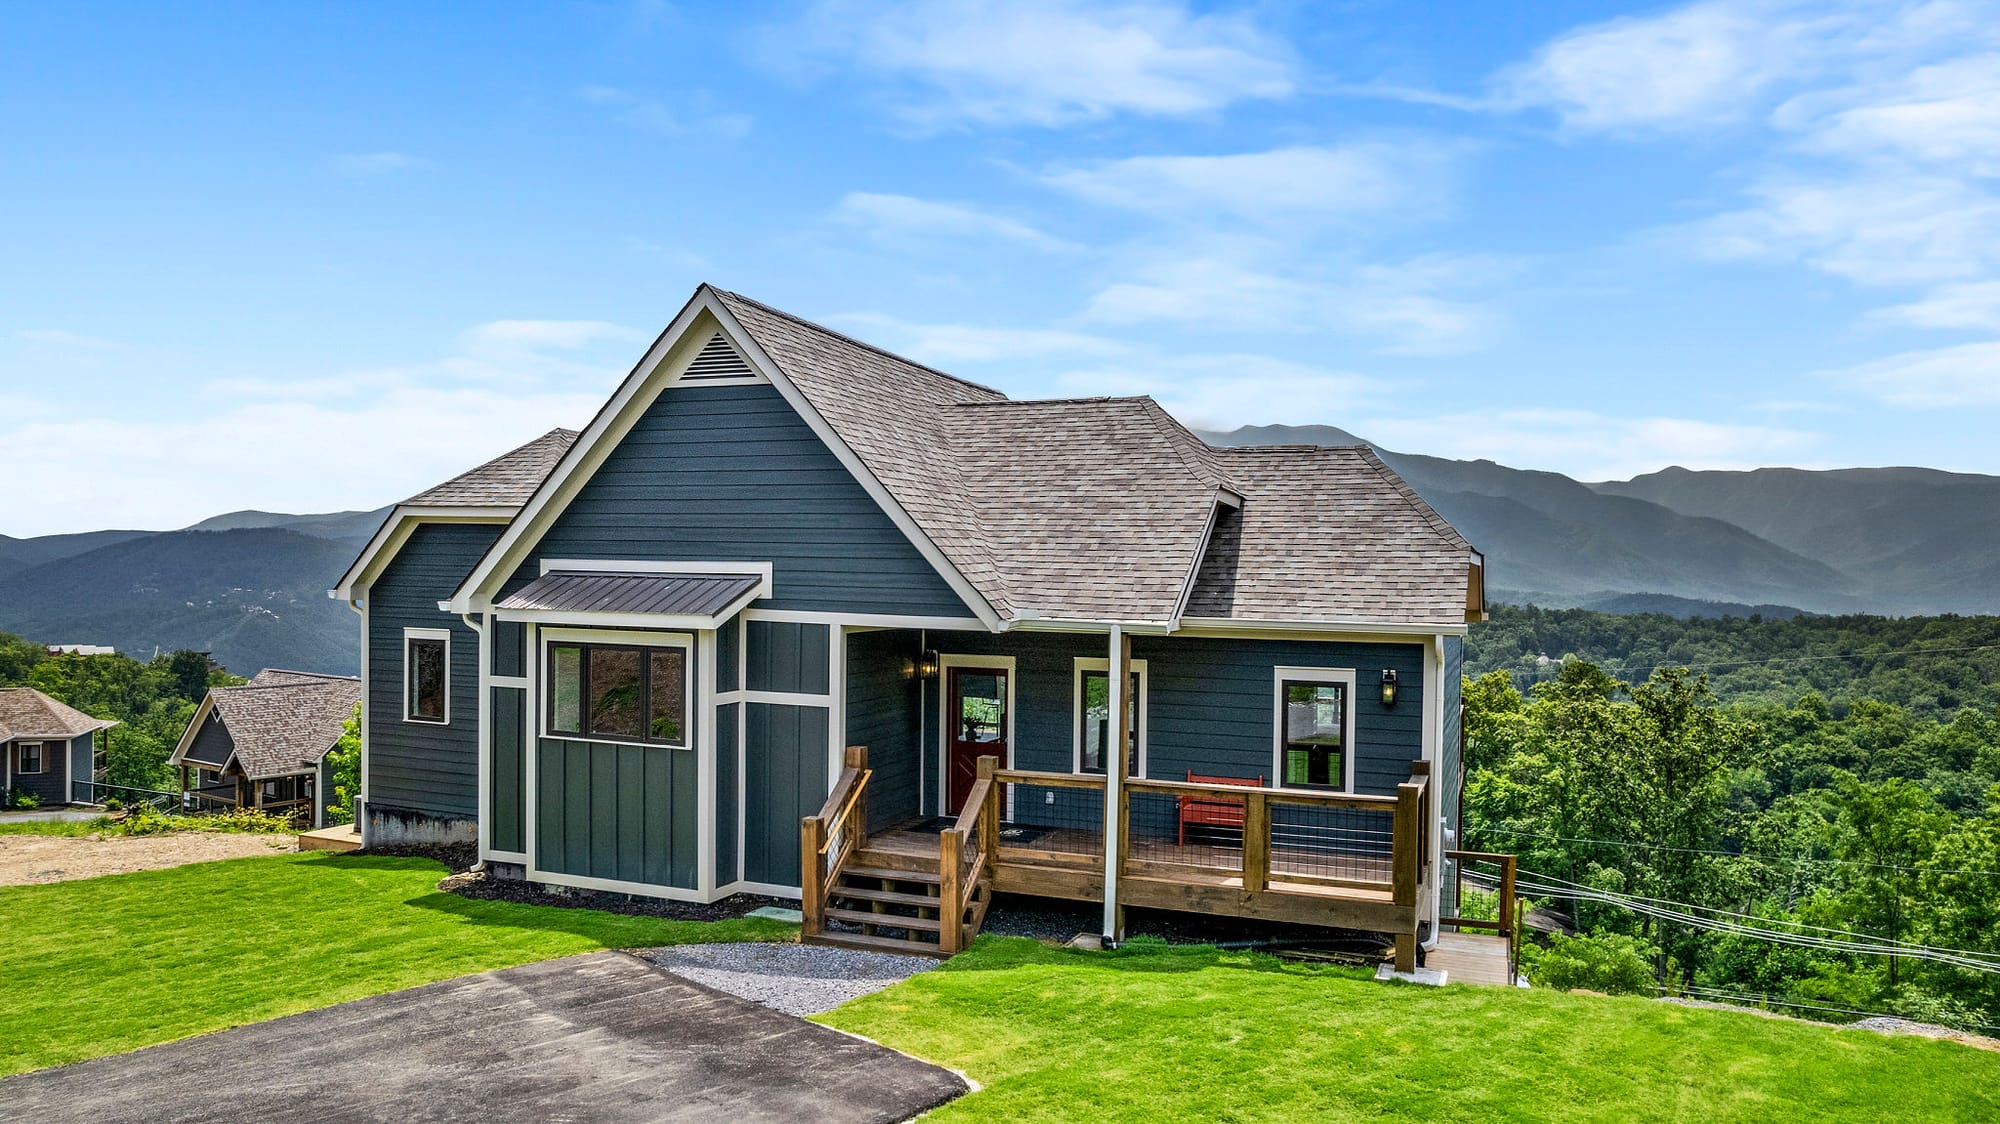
(346, 758)
(1885, 831)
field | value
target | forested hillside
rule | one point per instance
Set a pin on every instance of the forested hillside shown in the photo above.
(1809, 818)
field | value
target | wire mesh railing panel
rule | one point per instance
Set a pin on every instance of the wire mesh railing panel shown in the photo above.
(1321, 841)
(1052, 819)
(1198, 831)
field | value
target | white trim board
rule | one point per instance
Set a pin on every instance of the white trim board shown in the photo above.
(945, 663)
(1082, 665)
(389, 538)
(1340, 675)
(410, 634)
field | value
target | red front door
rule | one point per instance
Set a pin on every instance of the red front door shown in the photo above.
(977, 725)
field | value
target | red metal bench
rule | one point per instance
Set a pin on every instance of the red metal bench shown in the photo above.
(1212, 811)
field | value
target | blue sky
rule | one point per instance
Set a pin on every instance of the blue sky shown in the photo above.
(270, 256)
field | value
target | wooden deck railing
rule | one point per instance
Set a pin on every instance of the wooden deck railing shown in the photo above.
(1507, 917)
(827, 839)
(964, 850)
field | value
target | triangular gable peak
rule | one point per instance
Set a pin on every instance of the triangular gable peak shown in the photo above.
(704, 348)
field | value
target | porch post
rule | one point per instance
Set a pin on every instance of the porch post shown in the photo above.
(1118, 666)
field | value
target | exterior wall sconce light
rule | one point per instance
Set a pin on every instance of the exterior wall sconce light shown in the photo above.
(1389, 687)
(927, 665)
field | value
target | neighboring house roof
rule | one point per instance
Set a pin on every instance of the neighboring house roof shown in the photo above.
(505, 481)
(1100, 508)
(279, 723)
(26, 713)
(691, 595)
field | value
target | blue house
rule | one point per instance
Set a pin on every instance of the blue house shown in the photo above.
(48, 750)
(797, 616)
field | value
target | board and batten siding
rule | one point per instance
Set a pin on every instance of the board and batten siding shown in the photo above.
(732, 473)
(421, 767)
(620, 812)
(785, 781)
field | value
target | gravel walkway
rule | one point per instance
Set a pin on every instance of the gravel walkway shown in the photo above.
(794, 978)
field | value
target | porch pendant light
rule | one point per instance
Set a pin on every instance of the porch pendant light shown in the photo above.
(1389, 687)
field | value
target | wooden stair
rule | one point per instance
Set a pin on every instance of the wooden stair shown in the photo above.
(883, 902)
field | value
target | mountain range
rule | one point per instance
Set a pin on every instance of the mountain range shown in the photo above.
(250, 586)
(1895, 541)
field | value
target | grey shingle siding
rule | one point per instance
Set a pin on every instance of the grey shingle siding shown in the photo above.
(415, 766)
(731, 473)
(882, 715)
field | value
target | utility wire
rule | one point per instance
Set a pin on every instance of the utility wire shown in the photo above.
(1762, 998)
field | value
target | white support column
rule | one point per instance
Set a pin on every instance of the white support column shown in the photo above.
(1114, 782)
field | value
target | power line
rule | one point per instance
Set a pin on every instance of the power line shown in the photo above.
(1734, 854)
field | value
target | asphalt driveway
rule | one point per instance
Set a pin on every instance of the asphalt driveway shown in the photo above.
(604, 1036)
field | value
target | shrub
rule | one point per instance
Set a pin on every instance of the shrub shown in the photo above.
(25, 800)
(1609, 962)
(113, 804)
(144, 819)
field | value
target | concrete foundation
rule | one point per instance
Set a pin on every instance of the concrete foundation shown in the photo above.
(387, 827)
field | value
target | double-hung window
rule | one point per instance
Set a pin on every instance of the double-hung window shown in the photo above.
(1095, 735)
(31, 758)
(1315, 728)
(427, 675)
(619, 692)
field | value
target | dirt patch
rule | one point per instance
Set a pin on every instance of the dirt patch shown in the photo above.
(1880, 1024)
(30, 859)
(479, 884)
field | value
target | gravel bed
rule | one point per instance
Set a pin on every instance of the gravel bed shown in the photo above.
(794, 978)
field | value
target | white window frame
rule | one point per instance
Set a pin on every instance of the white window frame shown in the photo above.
(443, 634)
(1082, 665)
(547, 638)
(1349, 750)
(41, 759)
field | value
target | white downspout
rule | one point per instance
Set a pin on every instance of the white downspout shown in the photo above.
(485, 747)
(1114, 781)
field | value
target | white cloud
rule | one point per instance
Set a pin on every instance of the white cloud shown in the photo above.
(364, 164)
(1873, 228)
(1589, 445)
(1699, 64)
(1292, 188)
(1975, 304)
(1044, 62)
(943, 344)
(903, 216)
(1966, 375)
(1946, 114)
(314, 442)
(651, 115)
(1225, 391)
(1405, 306)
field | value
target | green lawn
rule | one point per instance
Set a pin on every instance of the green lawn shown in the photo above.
(103, 965)
(1150, 1034)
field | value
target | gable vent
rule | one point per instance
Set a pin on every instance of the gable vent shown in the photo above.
(717, 361)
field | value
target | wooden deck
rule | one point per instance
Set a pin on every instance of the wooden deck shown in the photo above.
(344, 837)
(1470, 958)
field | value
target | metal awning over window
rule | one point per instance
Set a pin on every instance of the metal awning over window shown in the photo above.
(686, 600)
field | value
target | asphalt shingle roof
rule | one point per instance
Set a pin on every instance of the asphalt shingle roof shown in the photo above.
(505, 481)
(285, 721)
(28, 713)
(1095, 508)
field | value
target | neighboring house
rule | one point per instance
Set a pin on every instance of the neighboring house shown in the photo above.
(630, 659)
(264, 744)
(47, 749)
(82, 650)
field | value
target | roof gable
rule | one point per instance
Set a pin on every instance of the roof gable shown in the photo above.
(278, 724)
(28, 713)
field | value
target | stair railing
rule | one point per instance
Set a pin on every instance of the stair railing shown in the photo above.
(964, 850)
(827, 840)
